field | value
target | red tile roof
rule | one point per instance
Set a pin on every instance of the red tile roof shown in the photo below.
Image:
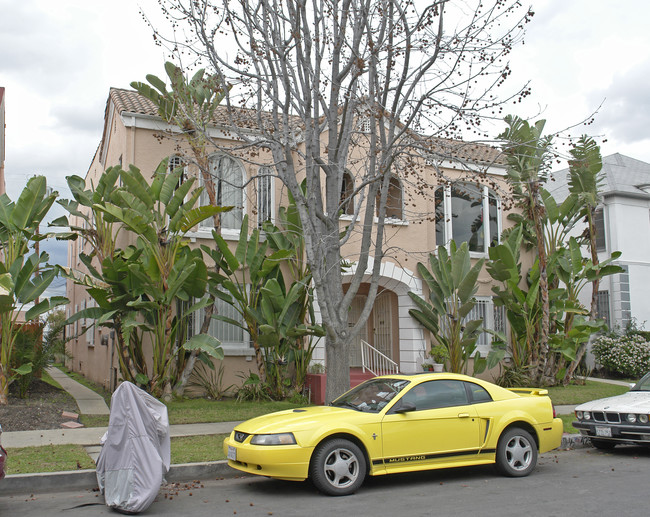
(132, 102)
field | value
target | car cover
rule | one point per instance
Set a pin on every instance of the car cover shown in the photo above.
(135, 453)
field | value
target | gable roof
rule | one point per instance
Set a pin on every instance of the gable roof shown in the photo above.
(622, 175)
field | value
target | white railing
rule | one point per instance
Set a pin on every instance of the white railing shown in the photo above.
(375, 362)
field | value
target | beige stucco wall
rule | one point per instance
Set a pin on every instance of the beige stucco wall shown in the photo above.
(409, 242)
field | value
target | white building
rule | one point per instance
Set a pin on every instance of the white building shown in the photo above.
(623, 224)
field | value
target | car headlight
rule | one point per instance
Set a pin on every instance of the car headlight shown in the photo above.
(579, 415)
(586, 415)
(643, 419)
(631, 418)
(274, 439)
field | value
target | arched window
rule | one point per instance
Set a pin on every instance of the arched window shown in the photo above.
(347, 192)
(394, 200)
(466, 212)
(228, 179)
(174, 163)
(264, 195)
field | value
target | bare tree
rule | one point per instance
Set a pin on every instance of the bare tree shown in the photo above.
(329, 86)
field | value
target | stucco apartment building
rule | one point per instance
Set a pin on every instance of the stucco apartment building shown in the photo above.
(465, 208)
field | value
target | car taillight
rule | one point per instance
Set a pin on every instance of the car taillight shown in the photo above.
(554, 412)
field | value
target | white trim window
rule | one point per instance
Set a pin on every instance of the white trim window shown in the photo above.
(265, 195)
(176, 161)
(90, 325)
(347, 194)
(493, 317)
(462, 210)
(234, 340)
(394, 200)
(228, 177)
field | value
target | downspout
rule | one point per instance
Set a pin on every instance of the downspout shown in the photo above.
(133, 127)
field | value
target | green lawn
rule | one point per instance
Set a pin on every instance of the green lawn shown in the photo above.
(55, 458)
(577, 393)
(49, 458)
(192, 411)
(198, 411)
(567, 421)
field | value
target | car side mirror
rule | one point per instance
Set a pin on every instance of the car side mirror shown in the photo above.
(405, 407)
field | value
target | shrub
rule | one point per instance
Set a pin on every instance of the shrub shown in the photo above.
(627, 355)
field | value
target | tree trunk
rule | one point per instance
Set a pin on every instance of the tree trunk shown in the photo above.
(184, 377)
(338, 367)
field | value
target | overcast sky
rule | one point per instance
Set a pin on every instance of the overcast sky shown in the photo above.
(58, 60)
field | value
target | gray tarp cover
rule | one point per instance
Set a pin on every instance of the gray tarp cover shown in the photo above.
(135, 455)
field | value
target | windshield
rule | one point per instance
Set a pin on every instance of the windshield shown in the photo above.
(643, 384)
(372, 396)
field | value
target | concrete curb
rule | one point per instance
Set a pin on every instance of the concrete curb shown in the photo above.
(87, 479)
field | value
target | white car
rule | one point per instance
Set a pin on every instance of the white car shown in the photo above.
(621, 419)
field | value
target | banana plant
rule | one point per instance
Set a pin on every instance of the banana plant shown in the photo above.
(528, 154)
(282, 328)
(452, 283)
(585, 182)
(97, 228)
(521, 304)
(287, 234)
(239, 277)
(24, 277)
(142, 283)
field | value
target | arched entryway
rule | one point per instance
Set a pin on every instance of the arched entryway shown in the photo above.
(407, 342)
(382, 327)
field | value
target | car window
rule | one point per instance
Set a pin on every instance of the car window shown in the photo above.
(437, 394)
(478, 393)
(643, 384)
(371, 396)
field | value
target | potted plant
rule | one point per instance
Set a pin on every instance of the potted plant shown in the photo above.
(439, 354)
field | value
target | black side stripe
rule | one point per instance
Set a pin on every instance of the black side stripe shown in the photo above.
(426, 457)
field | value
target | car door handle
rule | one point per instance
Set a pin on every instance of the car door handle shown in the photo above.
(463, 415)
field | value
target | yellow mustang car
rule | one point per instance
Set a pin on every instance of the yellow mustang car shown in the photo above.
(399, 423)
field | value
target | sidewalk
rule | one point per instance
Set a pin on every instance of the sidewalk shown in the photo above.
(92, 435)
(89, 402)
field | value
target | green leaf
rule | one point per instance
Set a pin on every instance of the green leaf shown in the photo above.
(205, 343)
(142, 379)
(23, 369)
(45, 306)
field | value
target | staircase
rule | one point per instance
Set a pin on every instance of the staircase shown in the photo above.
(357, 376)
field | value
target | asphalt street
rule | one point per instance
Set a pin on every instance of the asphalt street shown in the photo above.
(581, 482)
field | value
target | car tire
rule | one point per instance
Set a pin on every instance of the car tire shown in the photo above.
(338, 467)
(604, 445)
(516, 453)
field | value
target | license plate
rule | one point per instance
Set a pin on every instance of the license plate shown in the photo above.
(604, 431)
(232, 453)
